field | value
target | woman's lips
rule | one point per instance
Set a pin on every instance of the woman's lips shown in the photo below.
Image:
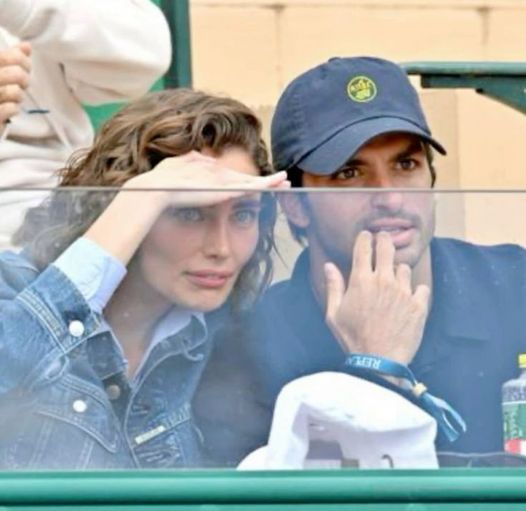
(209, 279)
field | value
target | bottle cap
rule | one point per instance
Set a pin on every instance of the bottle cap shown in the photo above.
(522, 360)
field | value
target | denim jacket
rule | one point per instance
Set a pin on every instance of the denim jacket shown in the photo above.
(65, 401)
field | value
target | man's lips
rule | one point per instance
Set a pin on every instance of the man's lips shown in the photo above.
(389, 224)
(209, 279)
(400, 230)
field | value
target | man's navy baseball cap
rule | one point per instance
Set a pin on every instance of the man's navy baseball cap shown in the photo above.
(326, 114)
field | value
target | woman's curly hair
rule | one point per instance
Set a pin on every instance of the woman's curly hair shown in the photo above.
(171, 122)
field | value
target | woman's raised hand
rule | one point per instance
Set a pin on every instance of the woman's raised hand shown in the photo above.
(192, 180)
(177, 177)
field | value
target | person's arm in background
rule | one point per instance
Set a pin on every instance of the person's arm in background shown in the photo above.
(15, 65)
(110, 50)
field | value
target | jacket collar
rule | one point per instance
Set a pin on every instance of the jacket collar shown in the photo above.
(456, 309)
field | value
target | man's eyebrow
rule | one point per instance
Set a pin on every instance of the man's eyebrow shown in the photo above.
(415, 146)
(351, 162)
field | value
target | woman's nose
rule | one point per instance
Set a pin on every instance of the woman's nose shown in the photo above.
(216, 242)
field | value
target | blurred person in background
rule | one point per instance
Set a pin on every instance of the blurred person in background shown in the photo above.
(55, 56)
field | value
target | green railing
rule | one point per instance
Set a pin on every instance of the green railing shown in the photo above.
(316, 490)
(177, 13)
(503, 81)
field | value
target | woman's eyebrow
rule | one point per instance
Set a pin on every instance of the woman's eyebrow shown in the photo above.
(248, 203)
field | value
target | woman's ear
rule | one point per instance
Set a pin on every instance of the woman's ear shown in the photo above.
(293, 204)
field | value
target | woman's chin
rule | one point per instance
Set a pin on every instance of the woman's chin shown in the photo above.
(204, 301)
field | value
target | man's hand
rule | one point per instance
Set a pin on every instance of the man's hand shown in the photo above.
(378, 313)
(15, 66)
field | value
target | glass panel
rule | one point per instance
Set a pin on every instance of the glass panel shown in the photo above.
(141, 336)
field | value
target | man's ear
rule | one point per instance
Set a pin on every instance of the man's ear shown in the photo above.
(293, 204)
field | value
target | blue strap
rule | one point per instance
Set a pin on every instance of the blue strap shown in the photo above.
(449, 420)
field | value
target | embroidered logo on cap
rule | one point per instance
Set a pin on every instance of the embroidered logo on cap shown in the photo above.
(361, 89)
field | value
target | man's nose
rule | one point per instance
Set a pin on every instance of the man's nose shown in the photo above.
(380, 177)
(388, 199)
(217, 243)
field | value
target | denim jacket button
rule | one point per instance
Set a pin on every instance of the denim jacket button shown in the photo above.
(113, 391)
(80, 406)
(76, 328)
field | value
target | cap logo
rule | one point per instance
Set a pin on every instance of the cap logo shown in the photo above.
(361, 89)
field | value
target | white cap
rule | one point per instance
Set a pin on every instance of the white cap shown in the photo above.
(343, 420)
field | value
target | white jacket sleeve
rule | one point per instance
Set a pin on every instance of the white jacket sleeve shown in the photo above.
(110, 50)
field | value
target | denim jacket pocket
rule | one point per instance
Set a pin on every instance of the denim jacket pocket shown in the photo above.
(83, 405)
(171, 442)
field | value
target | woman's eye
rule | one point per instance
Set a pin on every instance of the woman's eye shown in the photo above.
(188, 215)
(246, 216)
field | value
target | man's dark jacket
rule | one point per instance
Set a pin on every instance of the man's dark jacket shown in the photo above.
(473, 335)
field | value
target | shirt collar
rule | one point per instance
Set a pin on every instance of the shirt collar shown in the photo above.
(173, 322)
(458, 311)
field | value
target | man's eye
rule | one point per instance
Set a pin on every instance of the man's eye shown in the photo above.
(245, 217)
(407, 164)
(346, 173)
(187, 215)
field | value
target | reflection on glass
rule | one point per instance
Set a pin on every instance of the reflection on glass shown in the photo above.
(172, 348)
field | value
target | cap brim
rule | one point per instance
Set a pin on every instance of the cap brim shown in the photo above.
(329, 156)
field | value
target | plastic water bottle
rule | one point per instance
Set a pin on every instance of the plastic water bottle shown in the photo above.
(514, 411)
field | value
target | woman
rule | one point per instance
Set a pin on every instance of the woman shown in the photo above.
(103, 336)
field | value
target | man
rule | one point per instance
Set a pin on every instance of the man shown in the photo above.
(373, 279)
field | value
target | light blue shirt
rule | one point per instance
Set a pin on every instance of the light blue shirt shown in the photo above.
(95, 273)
